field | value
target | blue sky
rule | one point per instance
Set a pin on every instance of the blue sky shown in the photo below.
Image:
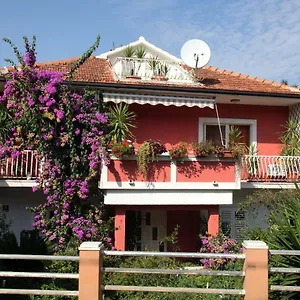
(257, 37)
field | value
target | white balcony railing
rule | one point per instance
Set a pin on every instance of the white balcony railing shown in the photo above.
(150, 69)
(26, 166)
(270, 168)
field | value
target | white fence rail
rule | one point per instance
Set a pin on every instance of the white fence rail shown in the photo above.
(270, 168)
(26, 166)
(16, 291)
(91, 272)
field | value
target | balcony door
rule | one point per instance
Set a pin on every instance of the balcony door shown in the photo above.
(154, 230)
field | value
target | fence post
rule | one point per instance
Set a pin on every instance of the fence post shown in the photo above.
(256, 270)
(90, 267)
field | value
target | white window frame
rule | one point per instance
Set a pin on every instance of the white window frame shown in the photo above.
(227, 122)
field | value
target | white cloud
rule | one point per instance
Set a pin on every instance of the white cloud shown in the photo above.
(258, 37)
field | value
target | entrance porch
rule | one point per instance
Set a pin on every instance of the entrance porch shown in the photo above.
(151, 228)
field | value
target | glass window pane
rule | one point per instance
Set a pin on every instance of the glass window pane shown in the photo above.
(213, 134)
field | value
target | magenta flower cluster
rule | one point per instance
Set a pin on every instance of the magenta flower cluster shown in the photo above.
(68, 130)
(218, 244)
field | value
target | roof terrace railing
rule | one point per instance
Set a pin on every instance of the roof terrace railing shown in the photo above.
(151, 69)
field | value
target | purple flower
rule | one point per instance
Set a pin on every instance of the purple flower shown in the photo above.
(103, 118)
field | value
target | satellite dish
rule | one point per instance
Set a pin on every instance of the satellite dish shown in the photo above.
(195, 53)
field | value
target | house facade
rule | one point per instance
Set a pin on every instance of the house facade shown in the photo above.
(173, 104)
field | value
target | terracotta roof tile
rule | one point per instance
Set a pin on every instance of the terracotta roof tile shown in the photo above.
(99, 70)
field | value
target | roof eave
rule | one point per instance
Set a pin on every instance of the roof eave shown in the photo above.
(184, 89)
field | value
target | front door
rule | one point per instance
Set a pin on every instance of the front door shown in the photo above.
(154, 230)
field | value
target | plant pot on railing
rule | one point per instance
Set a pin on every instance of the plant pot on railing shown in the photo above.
(122, 149)
(147, 153)
(179, 151)
(133, 77)
(160, 78)
(204, 149)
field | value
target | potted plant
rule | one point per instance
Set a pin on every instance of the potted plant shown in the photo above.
(179, 150)
(120, 122)
(122, 149)
(129, 52)
(160, 70)
(252, 160)
(147, 153)
(238, 150)
(205, 148)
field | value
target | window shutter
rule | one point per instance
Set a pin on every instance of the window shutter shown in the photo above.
(226, 221)
(239, 224)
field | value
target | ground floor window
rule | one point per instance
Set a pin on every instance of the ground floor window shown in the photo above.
(232, 222)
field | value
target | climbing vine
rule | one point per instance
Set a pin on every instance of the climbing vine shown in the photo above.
(68, 130)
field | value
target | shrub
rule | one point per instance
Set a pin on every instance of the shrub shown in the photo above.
(218, 244)
(178, 150)
(164, 280)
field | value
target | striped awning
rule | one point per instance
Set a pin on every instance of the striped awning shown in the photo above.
(156, 99)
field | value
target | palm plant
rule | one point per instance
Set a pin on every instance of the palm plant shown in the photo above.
(235, 135)
(164, 69)
(290, 139)
(129, 51)
(154, 65)
(285, 235)
(121, 122)
(140, 52)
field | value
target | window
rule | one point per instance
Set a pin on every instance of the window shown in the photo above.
(232, 222)
(210, 130)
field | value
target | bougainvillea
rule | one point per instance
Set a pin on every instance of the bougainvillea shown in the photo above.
(67, 129)
(218, 244)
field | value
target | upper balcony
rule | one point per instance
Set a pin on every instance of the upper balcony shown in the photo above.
(150, 69)
(270, 169)
(20, 171)
(168, 174)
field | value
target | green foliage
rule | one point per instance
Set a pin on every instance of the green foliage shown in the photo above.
(140, 52)
(166, 280)
(121, 122)
(179, 150)
(204, 148)
(30, 243)
(147, 153)
(164, 69)
(172, 239)
(129, 51)
(61, 267)
(235, 135)
(5, 122)
(290, 139)
(285, 235)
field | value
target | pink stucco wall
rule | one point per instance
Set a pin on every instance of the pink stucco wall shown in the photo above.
(172, 124)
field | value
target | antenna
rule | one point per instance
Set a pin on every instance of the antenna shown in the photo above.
(195, 53)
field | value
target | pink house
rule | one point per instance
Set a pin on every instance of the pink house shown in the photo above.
(183, 106)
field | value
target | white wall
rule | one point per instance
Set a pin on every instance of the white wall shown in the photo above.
(228, 214)
(18, 199)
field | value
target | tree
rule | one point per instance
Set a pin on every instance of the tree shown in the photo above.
(68, 129)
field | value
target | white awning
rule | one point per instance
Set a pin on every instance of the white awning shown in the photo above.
(156, 99)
